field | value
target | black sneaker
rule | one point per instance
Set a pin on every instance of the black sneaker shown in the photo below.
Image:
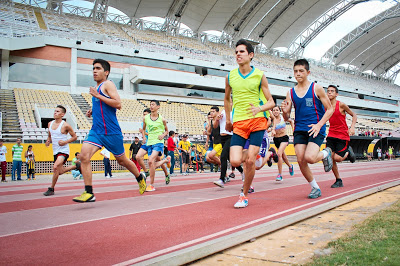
(338, 183)
(49, 192)
(274, 154)
(351, 156)
(232, 175)
(269, 162)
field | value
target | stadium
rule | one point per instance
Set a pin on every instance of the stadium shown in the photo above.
(47, 50)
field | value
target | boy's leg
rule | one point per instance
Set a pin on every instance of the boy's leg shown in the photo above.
(152, 168)
(87, 152)
(57, 170)
(300, 150)
(140, 158)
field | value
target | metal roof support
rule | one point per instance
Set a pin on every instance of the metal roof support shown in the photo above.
(297, 46)
(354, 35)
(390, 67)
(100, 9)
(173, 19)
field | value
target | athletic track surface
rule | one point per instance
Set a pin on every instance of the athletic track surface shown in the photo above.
(124, 227)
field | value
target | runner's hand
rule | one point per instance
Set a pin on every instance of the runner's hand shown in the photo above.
(160, 137)
(94, 92)
(351, 131)
(314, 131)
(89, 113)
(228, 126)
(62, 143)
(254, 110)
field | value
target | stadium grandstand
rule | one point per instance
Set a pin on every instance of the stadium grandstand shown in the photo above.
(47, 48)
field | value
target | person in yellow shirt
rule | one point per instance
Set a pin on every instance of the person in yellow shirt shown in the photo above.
(184, 147)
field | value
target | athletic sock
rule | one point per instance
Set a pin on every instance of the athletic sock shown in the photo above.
(314, 184)
(89, 189)
(325, 153)
(139, 178)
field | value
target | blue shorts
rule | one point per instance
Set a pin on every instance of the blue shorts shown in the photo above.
(302, 137)
(144, 147)
(112, 142)
(255, 139)
(156, 147)
(263, 148)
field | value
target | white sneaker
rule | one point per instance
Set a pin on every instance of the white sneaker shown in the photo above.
(219, 183)
(242, 202)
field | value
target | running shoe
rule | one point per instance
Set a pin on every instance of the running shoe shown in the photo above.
(219, 183)
(251, 190)
(232, 175)
(291, 170)
(142, 183)
(352, 156)
(167, 179)
(315, 193)
(147, 174)
(328, 163)
(49, 192)
(33, 178)
(274, 154)
(227, 179)
(169, 161)
(338, 183)
(85, 197)
(242, 202)
(269, 162)
(150, 188)
(279, 177)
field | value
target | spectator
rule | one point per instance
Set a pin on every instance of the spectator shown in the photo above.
(367, 155)
(76, 173)
(171, 145)
(200, 162)
(30, 163)
(106, 160)
(133, 150)
(3, 162)
(379, 151)
(17, 160)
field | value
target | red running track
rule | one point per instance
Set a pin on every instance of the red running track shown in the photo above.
(125, 227)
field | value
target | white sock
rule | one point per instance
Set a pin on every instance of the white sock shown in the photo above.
(325, 153)
(314, 184)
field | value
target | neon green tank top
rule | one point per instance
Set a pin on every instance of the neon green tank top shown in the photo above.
(245, 90)
(155, 129)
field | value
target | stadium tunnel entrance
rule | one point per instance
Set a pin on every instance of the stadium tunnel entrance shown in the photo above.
(384, 144)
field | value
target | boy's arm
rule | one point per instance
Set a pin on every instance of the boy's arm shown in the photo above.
(315, 128)
(286, 107)
(111, 90)
(347, 109)
(69, 130)
(227, 105)
(165, 132)
(270, 101)
(48, 141)
(144, 132)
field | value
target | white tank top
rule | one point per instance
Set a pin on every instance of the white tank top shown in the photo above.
(56, 136)
(222, 124)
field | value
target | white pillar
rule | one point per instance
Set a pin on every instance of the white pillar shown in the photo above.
(73, 70)
(5, 68)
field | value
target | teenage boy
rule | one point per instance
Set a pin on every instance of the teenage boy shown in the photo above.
(339, 134)
(171, 146)
(58, 136)
(214, 130)
(312, 110)
(249, 120)
(3, 162)
(184, 147)
(105, 131)
(157, 129)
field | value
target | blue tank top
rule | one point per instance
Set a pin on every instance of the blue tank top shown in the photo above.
(308, 110)
(104, 116)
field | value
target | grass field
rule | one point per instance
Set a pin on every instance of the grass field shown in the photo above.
(374, 242)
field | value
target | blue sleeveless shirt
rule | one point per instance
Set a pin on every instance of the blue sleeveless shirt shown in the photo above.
(308, 110)
(104, 116)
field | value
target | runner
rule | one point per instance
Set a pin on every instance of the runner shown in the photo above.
(312, 110)
(105, 131)
(214, 131)
(281, 140)
(58, 136)
(249, 120)
(339, 134)
(157, 131)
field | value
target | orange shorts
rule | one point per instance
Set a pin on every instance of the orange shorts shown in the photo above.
(245, 127)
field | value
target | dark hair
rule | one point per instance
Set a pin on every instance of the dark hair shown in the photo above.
(333, 86)
(76, 153)
(216, 108)
(104, 64)
(171, 133)
(30, 146)
(208, 114)
(155, 101)
(249, 47)
(147, 110)
(302, 62)
(276, 106)
(62, 108)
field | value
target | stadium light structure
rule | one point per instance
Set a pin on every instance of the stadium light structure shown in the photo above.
(136, 51)
(222, 64)
(78, 42)
(180, 57)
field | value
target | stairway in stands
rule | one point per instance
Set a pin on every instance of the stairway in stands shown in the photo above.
(82, 104)
(11, 129)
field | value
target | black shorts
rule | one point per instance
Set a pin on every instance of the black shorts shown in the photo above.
(61, 154)
(338, 146)
(185, 157)
(302, 137)
(279, 140)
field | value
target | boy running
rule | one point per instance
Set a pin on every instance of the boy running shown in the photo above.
(339, 134)
(58, 135)
(249, 120)
(105, 131)
(312, 110)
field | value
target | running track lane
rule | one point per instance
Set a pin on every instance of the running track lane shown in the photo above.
(148, 233)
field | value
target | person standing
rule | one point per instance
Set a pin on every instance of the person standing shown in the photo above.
(379, 152)
(133, 151)
(184, 147)
(171, 150)
(339, 134)
(17, 160)
(106, 160)
(312, 110)
(3, 161)
(249, 118)
(105, 131)
(58, 136)
(30, 163)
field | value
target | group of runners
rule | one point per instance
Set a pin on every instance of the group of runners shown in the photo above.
(238, 134)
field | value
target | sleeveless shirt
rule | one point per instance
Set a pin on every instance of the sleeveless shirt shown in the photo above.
(56, 136)
(154, 128)
(337, 124)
